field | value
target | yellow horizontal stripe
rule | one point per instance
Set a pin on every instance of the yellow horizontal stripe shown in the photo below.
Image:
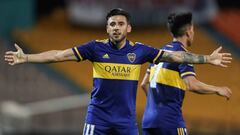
(187, 73)
(75, 48)
(154, 60)
(170, 78)
(116, 71)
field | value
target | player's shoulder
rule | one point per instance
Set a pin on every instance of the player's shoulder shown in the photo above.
(104, 41)
(173, 46)
(139, 44)
(142, 45)
(169, 47)
(100, 42)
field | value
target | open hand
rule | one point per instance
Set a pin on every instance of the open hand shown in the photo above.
(17, 57)
(225, 92)
(220, 59)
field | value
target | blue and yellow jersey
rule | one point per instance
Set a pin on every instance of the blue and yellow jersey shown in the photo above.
(115, 78)
(166, 92)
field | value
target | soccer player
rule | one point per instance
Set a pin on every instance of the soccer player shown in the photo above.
(116, 68)
(168, 82)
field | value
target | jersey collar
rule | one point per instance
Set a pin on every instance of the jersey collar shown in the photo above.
(114, 47)
(180, 44)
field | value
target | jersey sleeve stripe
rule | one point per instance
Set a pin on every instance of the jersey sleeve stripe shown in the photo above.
(160, 53)
(79, 55)
(188, 73)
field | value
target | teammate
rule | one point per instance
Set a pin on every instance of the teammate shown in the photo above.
(169, 81)
(116, 68)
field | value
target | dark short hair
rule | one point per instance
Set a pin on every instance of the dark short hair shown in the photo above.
(177, 23)
(118, 11)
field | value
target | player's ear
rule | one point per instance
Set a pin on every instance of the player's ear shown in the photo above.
(188, 32)
(129, 28)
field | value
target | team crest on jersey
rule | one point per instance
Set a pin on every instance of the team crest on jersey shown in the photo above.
(131, 57)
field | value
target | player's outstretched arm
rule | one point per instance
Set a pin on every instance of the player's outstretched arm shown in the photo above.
(199, 87)
(19, 56)
(216, 58)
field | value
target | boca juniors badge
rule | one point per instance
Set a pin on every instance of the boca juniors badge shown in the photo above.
(131, 57)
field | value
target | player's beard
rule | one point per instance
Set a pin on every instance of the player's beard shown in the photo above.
(118, 38)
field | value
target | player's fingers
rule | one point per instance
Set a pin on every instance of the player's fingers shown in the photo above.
(222, 65)
(17, 47)
(226, 54)
(11, 63)
(227, 58)
(8, 56)
(8, 59)
(226, 61)
(226, 95)
(9, 53)
(229, 91)
(218, 49)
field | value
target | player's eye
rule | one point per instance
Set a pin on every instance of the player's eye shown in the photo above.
(121, 23)
(112, 24)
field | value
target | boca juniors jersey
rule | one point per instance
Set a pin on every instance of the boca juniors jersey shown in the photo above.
(115, 78)
(166, 92)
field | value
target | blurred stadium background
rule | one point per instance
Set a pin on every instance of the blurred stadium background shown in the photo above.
(52, 99)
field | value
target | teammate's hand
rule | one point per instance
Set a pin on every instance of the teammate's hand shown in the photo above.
(225, 92)
(220, 59)
(17, 57)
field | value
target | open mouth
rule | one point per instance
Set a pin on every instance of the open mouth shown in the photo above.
(116, 34)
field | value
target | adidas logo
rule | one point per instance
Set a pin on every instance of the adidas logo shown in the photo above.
(105, 56)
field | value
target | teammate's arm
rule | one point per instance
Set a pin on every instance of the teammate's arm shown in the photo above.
(199, 87)
(216, 58)
(145, 83)
(19, 56)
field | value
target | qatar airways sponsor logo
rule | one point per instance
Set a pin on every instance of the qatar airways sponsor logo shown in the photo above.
(118, 70)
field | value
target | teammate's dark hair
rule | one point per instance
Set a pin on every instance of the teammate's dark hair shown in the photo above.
(118, 11)
(178, 22)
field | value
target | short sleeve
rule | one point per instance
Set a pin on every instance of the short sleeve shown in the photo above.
(153, 55)
(85, 51)
(186, 69)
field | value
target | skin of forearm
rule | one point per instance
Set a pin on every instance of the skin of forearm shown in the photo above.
(145, 83)
(184, 57)
(145, 88)
(44, 57)
(202, 88)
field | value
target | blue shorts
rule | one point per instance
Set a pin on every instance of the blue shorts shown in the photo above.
(164, 131)
(90, 129)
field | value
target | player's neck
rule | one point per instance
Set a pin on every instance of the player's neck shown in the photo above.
(119, 45)
(181, 40)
